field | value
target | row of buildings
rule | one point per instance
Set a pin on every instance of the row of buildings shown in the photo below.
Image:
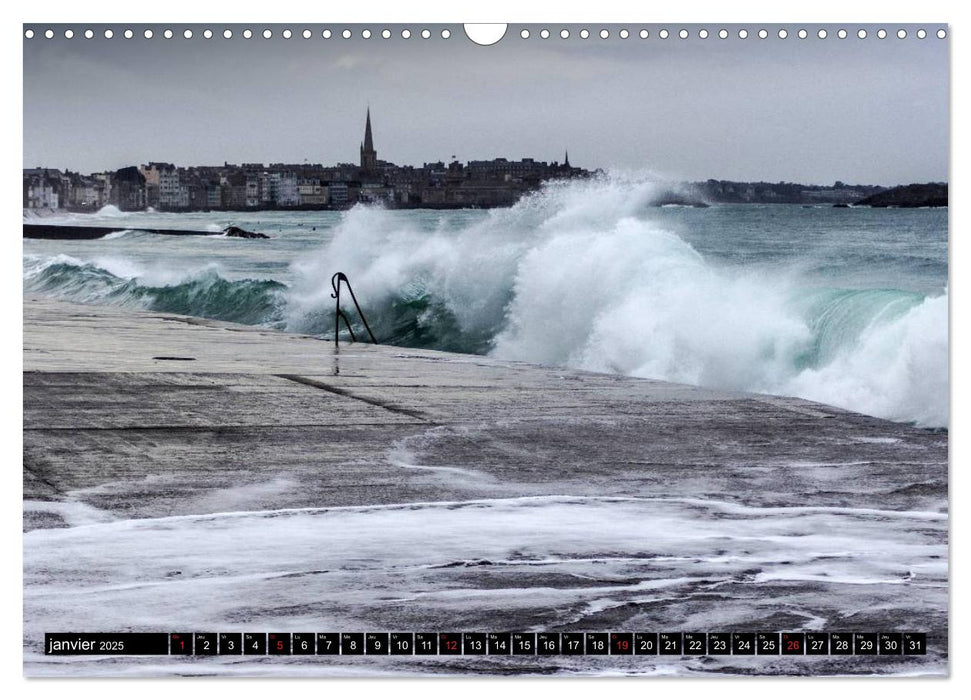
(726, 191)
(165, 187)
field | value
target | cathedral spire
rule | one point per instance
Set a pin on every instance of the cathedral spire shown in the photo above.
(566, 159)
(368, 141)
(369, 157)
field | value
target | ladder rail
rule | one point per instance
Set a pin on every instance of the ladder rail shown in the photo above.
(336, 281)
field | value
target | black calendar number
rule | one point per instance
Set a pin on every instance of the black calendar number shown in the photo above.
(376, 643)
(743, 643)
(598, 643)
(890, 643)
(524, 643)
(352, 643)
(571, 643)
(500, 643)
(767, 643)
(474, 643)
(865, 643)
(230, 643)
(915, 643)
(548, 643)
(328, 643)
(841, 644)
(426, 643)
(645, 643)
(303, 643)
(254, 643)
(205, 643)
(817, 643)
(694, 643)
(401, 643)
(669, 643)
(719, 643)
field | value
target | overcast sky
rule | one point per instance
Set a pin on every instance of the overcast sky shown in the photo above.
(813, 111)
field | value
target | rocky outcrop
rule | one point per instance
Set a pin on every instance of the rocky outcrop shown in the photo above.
(932, 194)
(237, 232)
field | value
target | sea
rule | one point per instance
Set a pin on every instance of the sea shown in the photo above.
(845, 306)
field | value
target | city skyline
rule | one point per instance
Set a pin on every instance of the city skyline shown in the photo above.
(366, 147)
(367, 163)
(683, 109)
(160, 185)
(163, 185)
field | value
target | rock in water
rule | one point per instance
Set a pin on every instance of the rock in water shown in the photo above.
(237, 232)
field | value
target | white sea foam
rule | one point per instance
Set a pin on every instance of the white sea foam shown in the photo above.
(125, 268)
(110, 210)
(73, 513)
(116, 234)
(582, 275)
(896, 369)
(35, 264)
(534, 562)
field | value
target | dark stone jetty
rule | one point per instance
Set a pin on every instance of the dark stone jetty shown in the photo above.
(65, 232)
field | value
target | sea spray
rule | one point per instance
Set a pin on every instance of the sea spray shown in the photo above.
(451, 284)
(582, 275)
(896, 369)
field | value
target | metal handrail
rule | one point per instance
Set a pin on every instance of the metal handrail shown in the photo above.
(335, 283)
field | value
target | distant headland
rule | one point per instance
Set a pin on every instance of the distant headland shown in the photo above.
(933, 194)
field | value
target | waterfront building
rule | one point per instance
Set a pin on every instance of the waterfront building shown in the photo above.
(86, 193)
(41, 188)
(128, 189)
(312, 192)
(338, 194)
(164, 188)
(286, 194)
(214, 195)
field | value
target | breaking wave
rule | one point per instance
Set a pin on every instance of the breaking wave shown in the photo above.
(579, 274)
(201, 293)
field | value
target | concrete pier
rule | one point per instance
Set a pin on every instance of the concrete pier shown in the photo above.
(139, 415)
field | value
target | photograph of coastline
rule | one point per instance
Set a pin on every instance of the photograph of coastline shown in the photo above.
(661, 316)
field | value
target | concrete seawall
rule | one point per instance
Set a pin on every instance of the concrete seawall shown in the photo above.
(142, 416)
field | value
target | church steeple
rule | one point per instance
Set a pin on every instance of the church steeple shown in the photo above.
(566, 159)
(368, 141)
(369, 157)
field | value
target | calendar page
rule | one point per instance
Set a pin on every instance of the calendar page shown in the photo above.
(422, 349)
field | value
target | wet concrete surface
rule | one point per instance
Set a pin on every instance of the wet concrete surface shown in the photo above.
(248, 419)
